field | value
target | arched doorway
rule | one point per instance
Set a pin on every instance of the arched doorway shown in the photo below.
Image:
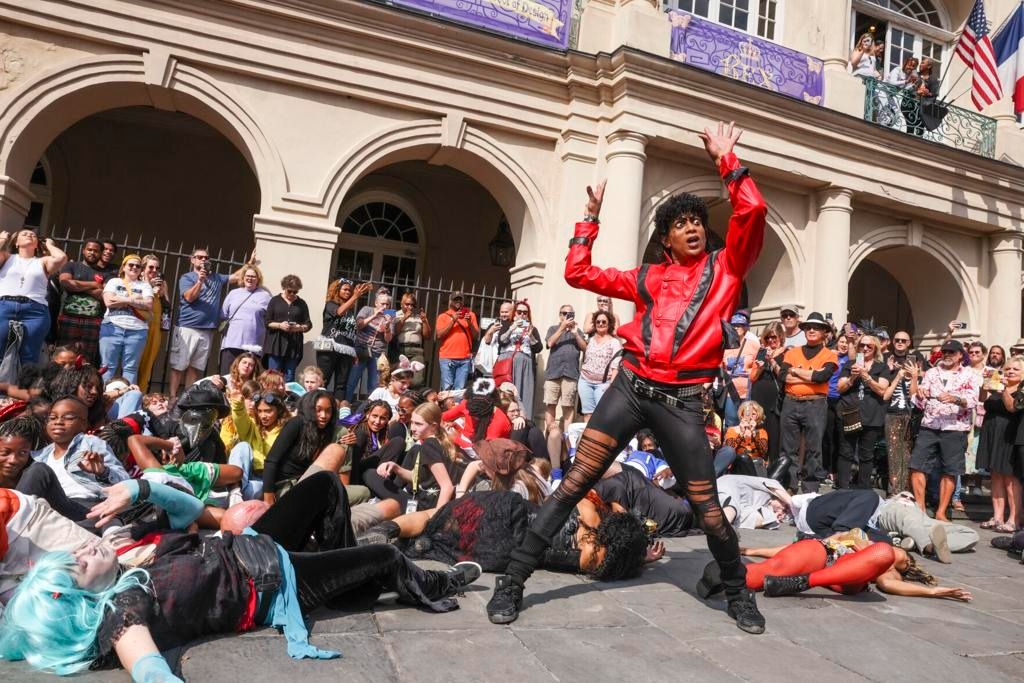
(156, 176)
(907, 287)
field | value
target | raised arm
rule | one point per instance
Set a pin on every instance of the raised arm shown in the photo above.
(55, 258)
(580, 272)
(745, 236)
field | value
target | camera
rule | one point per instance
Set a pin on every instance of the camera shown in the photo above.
(762, 355)
(960, 325)
(570, 315)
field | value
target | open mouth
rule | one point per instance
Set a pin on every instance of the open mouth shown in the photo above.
(693, 242)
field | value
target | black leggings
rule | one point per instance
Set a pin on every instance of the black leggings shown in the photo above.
(341, 573)
(335, 367)
(858, 447)
(39, 480)
(680, 431)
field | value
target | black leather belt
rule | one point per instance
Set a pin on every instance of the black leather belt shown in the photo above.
(674, 397)
(17, 299)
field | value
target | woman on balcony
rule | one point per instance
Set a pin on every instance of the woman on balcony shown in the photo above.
(862, 59)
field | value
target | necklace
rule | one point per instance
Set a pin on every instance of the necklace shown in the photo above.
(25, 263)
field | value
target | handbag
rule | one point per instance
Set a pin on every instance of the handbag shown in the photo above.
(485, 358)
(502, 370)
(850, 415)
(223, 325)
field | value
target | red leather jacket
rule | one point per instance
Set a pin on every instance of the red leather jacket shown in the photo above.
(678, 334)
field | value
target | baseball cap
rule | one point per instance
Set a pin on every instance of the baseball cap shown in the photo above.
(739, 319)
(952, 345)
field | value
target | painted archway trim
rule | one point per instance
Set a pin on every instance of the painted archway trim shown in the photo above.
(711, 187)
(419, 140)
(911, 235)
(57, 98)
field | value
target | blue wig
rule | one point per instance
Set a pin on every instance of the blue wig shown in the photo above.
(51, 622)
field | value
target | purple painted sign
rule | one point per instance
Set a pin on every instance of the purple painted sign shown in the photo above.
(538, 21)
(726, 51)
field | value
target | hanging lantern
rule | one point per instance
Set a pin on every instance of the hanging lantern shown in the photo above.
(503, 247)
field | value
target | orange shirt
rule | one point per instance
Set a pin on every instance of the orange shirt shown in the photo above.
(794, 357)
(458, 343)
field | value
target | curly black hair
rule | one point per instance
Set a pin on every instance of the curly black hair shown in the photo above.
(625, 541)
(116, 434)
(67, 382)
(682, 204)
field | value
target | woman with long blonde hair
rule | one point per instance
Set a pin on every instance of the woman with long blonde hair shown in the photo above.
(862, 383)
(425, 480)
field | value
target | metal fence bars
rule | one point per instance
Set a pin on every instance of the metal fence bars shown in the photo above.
(898, 108)
(432, 297)
(174, 262)
(431, 294)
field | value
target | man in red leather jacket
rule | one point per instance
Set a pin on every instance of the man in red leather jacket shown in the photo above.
(673, 346)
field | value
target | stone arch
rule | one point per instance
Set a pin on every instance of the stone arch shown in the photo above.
(914, 235)
(452, 142)
(710, 187)
(50, 103)
(399, 194)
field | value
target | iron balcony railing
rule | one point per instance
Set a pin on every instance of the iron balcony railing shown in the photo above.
(898, 108)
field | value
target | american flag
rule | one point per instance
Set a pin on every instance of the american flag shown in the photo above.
(975, 48)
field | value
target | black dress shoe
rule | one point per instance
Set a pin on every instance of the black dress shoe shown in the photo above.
(503, 607)
(775, 586)
(743, 608)
(711, 582)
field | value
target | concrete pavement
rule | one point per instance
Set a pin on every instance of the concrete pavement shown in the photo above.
(650, 629)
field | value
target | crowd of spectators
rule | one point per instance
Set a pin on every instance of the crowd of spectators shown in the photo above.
(798, 405)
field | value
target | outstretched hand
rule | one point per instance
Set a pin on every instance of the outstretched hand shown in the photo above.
(118, 498)
(595, 196)
(721, 143)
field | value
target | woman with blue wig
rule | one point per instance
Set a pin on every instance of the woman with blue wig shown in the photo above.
(81, 609)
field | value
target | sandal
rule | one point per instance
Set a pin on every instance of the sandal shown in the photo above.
(990, 524)
(958, 506)
(1005, 529)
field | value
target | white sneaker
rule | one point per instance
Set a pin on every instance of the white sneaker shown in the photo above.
(907, 543)
(234, 496)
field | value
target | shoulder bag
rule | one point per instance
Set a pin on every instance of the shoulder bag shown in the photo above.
(225, 323)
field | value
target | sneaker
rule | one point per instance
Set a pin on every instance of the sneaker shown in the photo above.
(776, 586)
(940, 544)
(907, 543)
(743, 608)
(462, 574)
(503, 607)
(711, 582)
(234, 496)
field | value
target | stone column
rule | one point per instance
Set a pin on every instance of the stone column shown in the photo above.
(15, 200)
(619, 243)
(832, 253)
(1004, 290)
(290, 245)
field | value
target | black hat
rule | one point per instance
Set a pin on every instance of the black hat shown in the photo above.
(815, 320)
(952, 345)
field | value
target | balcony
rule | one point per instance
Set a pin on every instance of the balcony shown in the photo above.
(891, 106)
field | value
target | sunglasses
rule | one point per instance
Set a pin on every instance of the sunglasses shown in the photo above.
(604, 301)
(901, 341)
(790, 315)
(268, 398)
(865, 346)
(601, 322)
(522, 312)
(133, 266)
(202, 257)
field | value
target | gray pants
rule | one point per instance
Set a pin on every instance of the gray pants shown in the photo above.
(909, 520)
(807, 419)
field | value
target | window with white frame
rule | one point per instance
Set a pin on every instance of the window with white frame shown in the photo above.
(757, 17)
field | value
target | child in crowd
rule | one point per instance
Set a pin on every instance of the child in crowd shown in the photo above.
(312, 378)
(83, 463)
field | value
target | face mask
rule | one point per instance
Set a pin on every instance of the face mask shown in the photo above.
(195, 426)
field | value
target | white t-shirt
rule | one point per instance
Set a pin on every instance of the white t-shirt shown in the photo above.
(384, 394)
(125, 318)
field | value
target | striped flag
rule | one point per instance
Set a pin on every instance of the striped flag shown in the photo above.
(1009, 48)
(975, 48)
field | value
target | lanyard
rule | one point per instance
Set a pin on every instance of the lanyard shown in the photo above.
(416, 474)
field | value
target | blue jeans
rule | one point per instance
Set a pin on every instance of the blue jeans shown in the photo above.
(455, 373)
(723, 458)
(283, 364)
(590, 394)
(121, 347)
(365, 362)
(241, 456)
(36, 319)
(128, 403)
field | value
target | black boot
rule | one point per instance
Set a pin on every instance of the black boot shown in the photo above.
(780, 472)
(743, 608)
(503, 607)
(385, 533)
(711, 582)
(776, 586)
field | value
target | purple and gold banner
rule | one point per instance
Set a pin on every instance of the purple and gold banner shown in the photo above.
(726, 51)
(545, 22)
